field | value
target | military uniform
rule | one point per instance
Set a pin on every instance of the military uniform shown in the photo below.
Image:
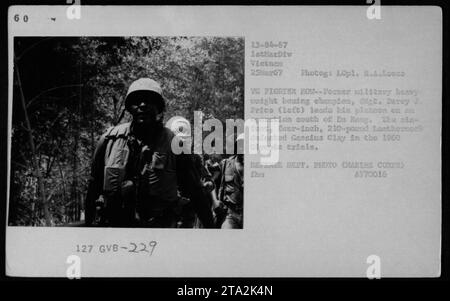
(154, 173)
(136, 173)
(231, 193)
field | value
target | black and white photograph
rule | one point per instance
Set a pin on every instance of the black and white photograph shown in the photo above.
(93, 123)
(130, 131)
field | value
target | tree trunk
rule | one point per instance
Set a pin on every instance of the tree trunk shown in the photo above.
(75, 177)
(33, 151)
(75, 194)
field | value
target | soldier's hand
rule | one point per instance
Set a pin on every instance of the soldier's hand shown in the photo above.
(208, 185)
(219, 208)
(100, 202)
(99, 208)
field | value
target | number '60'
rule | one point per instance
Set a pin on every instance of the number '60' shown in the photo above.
(17, 18)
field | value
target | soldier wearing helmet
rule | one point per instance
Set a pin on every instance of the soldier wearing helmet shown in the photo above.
(135, 175)
(229, 212)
